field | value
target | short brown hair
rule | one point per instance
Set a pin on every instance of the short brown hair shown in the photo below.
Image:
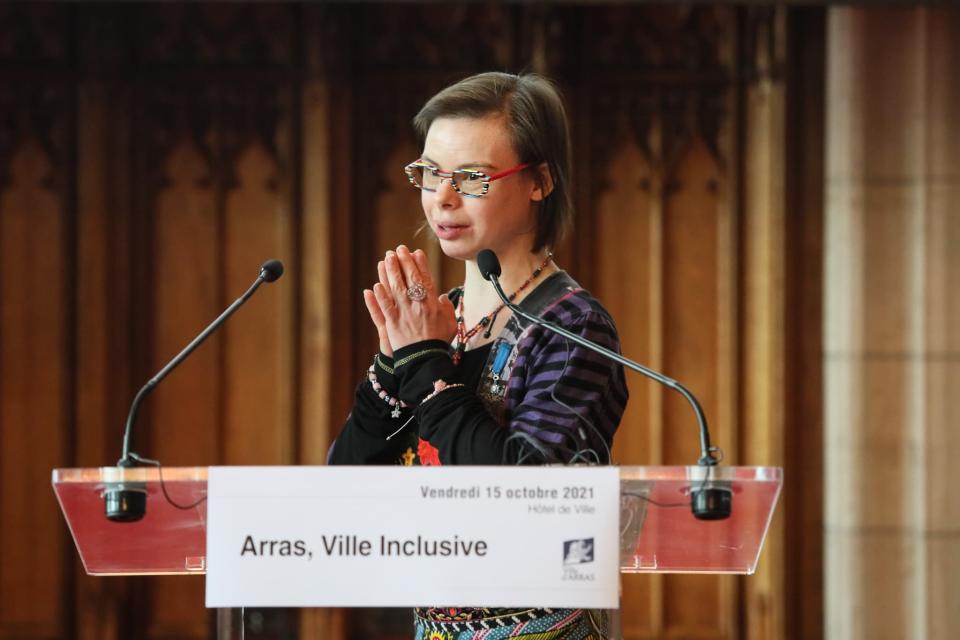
(538, 128)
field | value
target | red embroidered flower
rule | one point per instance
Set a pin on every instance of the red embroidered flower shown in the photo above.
(428, 454)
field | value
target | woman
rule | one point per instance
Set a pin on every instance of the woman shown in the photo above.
(459, 379)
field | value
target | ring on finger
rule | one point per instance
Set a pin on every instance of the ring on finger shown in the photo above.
(417, 292)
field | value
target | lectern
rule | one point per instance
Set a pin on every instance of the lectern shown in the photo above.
(658, 532)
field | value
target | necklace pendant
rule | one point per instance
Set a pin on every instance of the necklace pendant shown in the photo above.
(396, 411)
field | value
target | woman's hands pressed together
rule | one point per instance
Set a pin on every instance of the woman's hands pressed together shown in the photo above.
(402, 311)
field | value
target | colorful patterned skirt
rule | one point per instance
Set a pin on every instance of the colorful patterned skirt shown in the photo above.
(494, 624)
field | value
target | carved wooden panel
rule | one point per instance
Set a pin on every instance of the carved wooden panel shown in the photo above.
(629, 284)
(258, 362)
(258, 35)
(656, 236)
(217, 202)
(36, 338)
(36, 357)
(183, 412)
(35, 393)
(213, 137)
(34, 34)
(693, 320)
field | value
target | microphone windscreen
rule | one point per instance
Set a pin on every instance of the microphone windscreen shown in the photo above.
(271, 270)
(488, 263)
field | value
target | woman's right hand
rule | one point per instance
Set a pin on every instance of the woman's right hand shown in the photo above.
(376, 314)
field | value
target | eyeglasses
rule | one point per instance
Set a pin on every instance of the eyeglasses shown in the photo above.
(474, 184)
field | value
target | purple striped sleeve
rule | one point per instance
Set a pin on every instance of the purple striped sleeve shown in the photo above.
(564, 402)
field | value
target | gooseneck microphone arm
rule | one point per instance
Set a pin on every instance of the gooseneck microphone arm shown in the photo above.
(490, 269)
(269, 272)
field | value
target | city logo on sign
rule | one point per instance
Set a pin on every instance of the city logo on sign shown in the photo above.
(578, 551)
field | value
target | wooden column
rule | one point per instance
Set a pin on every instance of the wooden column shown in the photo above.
(761, 299)
(892, 324)
(37, 341)
(325, 254)
(35, 354)
(802, 322)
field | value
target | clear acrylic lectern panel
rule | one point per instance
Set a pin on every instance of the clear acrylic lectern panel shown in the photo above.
(167, 541)
(658, 532)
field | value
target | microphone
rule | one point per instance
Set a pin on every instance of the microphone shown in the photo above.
(128, 502)
(709, 501)
(271, 270)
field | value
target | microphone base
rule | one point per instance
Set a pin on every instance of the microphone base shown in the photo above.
(125, 502)
(711, 502)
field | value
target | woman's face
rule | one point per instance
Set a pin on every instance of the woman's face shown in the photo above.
(503, 220)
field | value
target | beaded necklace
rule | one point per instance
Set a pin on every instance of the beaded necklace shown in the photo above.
(464, 336)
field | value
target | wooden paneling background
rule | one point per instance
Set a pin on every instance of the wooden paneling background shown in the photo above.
(153, 156)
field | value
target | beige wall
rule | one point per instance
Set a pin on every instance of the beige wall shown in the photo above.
(892, 324)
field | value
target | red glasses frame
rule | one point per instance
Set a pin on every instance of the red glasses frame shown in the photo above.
(466, 174)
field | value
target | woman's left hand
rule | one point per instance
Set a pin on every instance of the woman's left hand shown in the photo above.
(409, 320)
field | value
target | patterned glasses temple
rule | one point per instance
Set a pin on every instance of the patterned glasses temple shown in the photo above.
(475, 184)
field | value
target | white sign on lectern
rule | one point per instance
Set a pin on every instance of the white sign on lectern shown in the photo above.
(420, 536)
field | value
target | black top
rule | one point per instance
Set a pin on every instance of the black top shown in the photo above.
(363, 440)
(530, 397)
